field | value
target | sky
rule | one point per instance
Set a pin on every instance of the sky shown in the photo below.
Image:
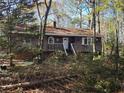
(61, 5)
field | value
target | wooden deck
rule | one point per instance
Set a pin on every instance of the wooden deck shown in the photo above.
(77, 47)
(55, 47)
(83, 48)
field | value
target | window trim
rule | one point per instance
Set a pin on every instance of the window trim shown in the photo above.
(83, 40)
(89, 41)
(52, 39)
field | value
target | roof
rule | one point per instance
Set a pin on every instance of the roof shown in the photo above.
(51, 31)
(25, 33)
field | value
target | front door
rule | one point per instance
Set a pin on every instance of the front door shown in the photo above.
(66, 43)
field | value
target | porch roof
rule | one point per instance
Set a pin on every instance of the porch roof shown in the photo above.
(51, 31)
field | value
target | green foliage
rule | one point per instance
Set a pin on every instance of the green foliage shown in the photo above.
(95, 75)
(102, 86)
(106, 86)
(3, 42)
(121, 48)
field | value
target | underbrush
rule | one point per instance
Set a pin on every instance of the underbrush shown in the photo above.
(98, 76)
(95, 75)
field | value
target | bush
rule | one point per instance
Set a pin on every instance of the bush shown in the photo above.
(56, 57)
(25, 52)
(95, 75)
(107, 86)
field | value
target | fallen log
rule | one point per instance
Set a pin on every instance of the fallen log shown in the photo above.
(33, 83)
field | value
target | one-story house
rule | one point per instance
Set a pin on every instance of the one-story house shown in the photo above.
(69, 40)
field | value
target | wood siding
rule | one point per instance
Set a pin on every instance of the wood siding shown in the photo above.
(83, 48)
(25, 40)
(55, 47)
(77, 44)
(58, 43)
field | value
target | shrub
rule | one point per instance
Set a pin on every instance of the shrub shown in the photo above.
(56, 57)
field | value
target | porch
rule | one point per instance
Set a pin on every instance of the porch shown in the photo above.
(70, 44)
(74, 47)
(55, 47)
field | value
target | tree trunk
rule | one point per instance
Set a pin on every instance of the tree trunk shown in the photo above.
(80, 1)
(94, 25)
(42, 28)
(9, 36)
(80, 18)
(10, 51)
(117, 53)
(99, 26)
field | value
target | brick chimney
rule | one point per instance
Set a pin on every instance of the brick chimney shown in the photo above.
(54, 24)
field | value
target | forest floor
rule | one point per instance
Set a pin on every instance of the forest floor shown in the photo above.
(48, 77)
(37, 78)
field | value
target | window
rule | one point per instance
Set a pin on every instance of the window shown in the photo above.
(50, 40)
(27, 41)
(91, 41)
(84, 40)
(24, 41)
(58, 40)
(87, 41)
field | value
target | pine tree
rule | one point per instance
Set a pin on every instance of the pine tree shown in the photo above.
(14, 13)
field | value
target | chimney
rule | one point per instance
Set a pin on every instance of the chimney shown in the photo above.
(89, 22)
(54, 24)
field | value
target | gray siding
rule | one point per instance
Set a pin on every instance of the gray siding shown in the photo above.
(77, 43)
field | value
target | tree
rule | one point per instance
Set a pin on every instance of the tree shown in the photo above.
(43, 23)
(78, 11)
(14, 13)
(115, 7)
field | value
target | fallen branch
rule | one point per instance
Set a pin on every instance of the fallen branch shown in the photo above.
(33, 83)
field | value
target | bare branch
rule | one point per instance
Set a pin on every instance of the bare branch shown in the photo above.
(45, 1)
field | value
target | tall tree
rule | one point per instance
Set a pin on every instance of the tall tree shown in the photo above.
(43, 23)
(14, 13)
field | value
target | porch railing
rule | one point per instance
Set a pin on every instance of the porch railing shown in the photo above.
(73, 49)
(83, 48)
(54, 47)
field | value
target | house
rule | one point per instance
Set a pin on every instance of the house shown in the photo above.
(69, 40)
(25, 38)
